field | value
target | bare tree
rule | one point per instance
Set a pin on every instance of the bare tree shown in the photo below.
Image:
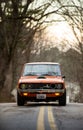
(72, 12)
(18, 17)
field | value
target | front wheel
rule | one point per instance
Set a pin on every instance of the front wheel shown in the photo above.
(20, 100)
(62, 100)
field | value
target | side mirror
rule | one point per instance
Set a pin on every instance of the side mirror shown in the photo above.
(63, 77)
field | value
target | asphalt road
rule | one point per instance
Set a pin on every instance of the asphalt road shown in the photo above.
(41, 116)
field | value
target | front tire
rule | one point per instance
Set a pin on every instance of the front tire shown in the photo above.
(62, 100)
(20, 100)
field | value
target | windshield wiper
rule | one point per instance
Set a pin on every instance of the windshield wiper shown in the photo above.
(42, 74)
(29, 74)
(50, 74)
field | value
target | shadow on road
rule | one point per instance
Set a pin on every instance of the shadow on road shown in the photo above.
(37, 104)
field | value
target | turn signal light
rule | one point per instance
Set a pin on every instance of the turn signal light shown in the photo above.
(57, 94)
(25, 94)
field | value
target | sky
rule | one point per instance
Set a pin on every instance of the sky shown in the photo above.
(62, 34)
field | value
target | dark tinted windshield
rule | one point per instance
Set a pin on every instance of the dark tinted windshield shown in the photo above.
(42, 69)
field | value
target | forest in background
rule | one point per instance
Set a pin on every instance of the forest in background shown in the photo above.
(20, 21)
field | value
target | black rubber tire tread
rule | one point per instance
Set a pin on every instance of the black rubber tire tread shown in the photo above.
(20, 100)
(62, 100)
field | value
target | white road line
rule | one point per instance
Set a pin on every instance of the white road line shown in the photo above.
(51, 119)
(40, 123)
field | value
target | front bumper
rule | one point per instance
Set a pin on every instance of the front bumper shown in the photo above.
(41, 95)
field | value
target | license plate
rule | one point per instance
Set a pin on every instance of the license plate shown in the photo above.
(41, 96)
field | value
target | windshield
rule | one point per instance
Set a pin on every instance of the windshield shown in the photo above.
(42, 69)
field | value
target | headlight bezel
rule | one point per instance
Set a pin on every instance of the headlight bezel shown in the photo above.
(58, 86)
(23, 86)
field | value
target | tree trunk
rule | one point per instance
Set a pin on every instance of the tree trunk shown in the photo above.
(5, 79)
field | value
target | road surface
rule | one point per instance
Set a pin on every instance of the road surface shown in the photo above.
(41, 116)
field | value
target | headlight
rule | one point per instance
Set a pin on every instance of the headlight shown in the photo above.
(58, 86)
(23, 86)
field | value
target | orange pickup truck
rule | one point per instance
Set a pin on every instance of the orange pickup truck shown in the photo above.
(41, 81)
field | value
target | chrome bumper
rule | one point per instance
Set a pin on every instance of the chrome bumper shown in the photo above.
(41, 90)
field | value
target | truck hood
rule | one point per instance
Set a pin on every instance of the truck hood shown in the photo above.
(36, 79)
